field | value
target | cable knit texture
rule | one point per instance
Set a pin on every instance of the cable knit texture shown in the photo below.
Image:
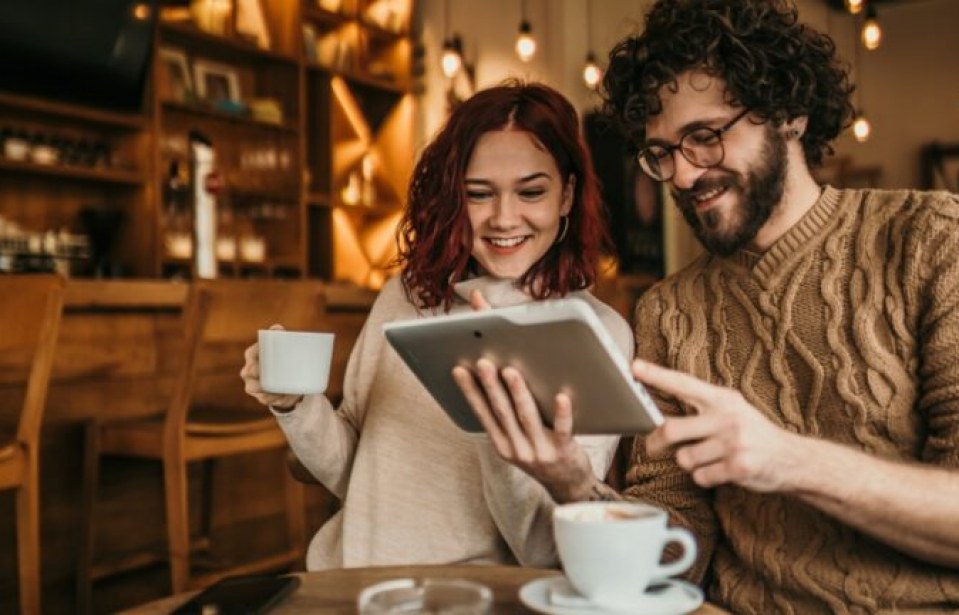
(415, 488)
(846, 329)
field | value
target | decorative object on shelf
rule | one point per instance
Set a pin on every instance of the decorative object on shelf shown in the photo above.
(252, 249)
(385, 14)
(216, 82)
(266, 110)
(309, 42)
(213, 16)
(332, 6)
(16, 145)
(525, 43)
(205, 187)
(175, 83)
(251, 24)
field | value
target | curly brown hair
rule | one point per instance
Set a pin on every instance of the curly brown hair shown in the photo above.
(771, 63)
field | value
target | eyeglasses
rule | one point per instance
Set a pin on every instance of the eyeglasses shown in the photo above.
(702, 147)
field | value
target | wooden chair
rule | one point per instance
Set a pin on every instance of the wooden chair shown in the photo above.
(220, 318)
(30, 308)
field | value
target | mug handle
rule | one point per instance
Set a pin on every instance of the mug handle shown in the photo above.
(685, 538)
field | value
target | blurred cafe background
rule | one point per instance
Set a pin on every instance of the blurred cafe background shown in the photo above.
(149, 146)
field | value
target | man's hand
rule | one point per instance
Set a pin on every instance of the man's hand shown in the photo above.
(727, 441)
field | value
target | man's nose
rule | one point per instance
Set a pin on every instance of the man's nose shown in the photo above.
(686, 172)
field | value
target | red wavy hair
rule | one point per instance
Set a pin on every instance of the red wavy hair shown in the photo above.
(435, 237)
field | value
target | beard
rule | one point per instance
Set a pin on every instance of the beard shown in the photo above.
(760, 192)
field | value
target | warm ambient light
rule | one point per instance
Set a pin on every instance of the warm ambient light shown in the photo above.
(141, 11)
(452, 58)
(592, 73)
(854, 6)
(525, 43)
(861, 128)
(871, 32)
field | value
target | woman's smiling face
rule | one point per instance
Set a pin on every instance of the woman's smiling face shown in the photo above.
(515, 198)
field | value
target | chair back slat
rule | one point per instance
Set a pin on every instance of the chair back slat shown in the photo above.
(30, 309)
(221, 319)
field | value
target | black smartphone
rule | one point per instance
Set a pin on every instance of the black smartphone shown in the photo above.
(240, 595)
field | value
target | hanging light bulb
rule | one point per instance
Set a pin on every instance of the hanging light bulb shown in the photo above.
(452, 58)
(525, 43)
(861, 128)
(871, 32)
(592, 73)
(854, 6)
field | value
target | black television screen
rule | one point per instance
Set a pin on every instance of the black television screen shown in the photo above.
(85, 51)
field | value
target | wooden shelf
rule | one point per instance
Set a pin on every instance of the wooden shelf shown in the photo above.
(77, 112)
(316, 14)
(380, 84)
(171, 106)
(185, 33)
(378, 30)
(121, 177)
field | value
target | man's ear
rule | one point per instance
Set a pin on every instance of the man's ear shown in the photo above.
(796, 127)
(569, 191)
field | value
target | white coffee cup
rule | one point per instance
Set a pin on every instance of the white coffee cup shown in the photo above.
(611, 551)
(294, 362)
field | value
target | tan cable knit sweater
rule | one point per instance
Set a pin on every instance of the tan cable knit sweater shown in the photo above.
(846, 329)
(415, 488)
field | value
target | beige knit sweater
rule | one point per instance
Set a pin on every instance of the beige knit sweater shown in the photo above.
(415, 489)
(846, 329)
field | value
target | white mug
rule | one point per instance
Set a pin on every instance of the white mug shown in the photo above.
(611, 551)
(294, 362)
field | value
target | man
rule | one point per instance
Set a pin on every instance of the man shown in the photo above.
(812, 431)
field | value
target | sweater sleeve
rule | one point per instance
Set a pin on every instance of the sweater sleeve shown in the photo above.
(324, 439)
(521, 507)
(658, 479)
(933, 280)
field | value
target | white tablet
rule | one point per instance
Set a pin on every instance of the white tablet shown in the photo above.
(558, 345)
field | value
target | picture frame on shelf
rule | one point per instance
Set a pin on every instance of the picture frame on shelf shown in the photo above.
(175, 83)
(216, 83)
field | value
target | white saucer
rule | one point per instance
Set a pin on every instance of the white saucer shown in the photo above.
(677, 598)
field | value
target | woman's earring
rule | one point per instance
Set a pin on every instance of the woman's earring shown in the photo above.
(562, 233)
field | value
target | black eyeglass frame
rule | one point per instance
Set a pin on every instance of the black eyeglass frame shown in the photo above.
(671, 148)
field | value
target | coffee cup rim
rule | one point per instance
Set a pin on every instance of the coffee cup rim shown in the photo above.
(650, 512)
(296, 332)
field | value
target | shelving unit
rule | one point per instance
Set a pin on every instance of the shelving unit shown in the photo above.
(312, 138)
(361, 112)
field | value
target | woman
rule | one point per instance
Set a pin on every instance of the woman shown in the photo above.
(504, 208)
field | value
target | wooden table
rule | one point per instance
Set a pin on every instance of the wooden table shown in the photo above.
(335, 591)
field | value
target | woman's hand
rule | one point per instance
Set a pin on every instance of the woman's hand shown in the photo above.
(251, 381)
(505, 407)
